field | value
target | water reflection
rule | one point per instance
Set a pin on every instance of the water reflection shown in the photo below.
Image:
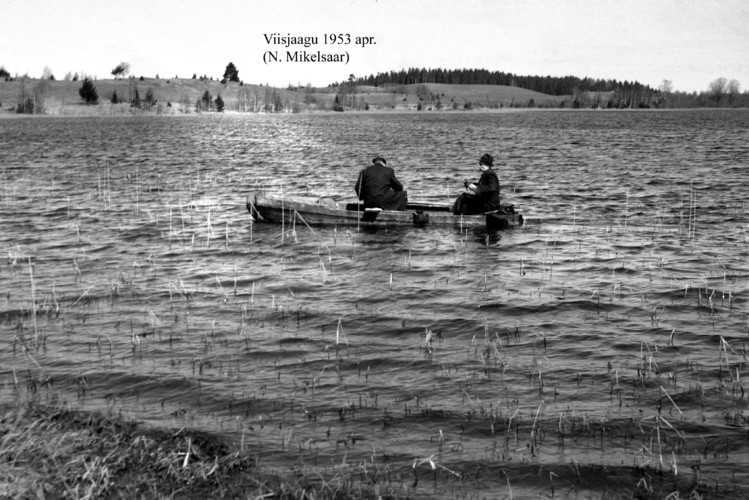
(489, 237)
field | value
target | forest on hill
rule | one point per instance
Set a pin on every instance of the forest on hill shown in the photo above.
(551, 85)
(583, 91)
(404, 90)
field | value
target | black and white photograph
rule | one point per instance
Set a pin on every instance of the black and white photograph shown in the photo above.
(379, 249)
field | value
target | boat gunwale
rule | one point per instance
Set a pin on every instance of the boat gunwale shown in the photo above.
(272, 208)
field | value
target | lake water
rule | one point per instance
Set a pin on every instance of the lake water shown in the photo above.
(598, 350)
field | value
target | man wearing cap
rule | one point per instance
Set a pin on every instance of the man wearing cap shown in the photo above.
(377, 187)
(482, 196)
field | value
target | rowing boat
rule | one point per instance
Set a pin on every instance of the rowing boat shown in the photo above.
(329, 212)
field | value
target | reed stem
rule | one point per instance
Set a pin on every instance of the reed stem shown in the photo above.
(33, 302)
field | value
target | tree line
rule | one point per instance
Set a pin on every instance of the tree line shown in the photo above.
(551, 85)
(585, 92)
(569, 91)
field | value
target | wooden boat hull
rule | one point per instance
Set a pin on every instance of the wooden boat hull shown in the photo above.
(327, 212)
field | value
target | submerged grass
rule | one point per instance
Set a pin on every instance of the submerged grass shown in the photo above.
(55, 452)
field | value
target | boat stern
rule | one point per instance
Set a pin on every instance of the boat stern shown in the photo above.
(252, 208)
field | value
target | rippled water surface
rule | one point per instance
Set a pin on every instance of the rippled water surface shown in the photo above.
(599, 349)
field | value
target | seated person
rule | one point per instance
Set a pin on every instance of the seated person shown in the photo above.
(482, 196)
(377, 187)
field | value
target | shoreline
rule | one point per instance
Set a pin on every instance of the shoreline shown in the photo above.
(50, 449)
(194, 96)
(54, 448)
(104, 112)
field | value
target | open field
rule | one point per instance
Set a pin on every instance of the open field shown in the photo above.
(487, 96)
(178, 95)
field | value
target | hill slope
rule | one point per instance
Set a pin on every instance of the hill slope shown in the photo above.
(181, 95)
(454, 96)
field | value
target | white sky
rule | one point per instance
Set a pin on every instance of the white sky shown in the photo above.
(690, 42)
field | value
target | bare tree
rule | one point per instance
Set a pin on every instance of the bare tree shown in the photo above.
(244, 99)
(667, 86)
(733, 88)
(184, 103)
(23, 98)
(40, 95)
(717, 89)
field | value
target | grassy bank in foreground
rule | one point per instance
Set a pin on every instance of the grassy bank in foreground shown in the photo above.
(57, 453)
(54, 452)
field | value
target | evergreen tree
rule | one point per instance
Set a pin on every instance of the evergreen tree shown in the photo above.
(231, 74)
(150, 99)
(219, 104)
(88, 92)
(207, 100)
(277, 102)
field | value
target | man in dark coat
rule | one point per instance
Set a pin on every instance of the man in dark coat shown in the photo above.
(482, 196)
(377, 187)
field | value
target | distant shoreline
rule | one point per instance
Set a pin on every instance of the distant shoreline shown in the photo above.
(96, 111)
(144, 96)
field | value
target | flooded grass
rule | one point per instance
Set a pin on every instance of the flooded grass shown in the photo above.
(58, 452)
(158, 344)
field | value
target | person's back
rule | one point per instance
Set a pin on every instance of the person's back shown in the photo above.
(487, 191)
(378, 187)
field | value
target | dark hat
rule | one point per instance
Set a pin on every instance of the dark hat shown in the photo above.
(487, 160)
(379, 159)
